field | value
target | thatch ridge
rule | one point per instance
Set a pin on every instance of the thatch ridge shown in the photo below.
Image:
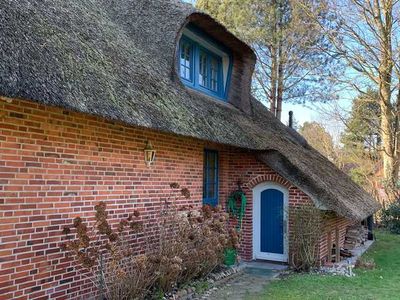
(116, 58)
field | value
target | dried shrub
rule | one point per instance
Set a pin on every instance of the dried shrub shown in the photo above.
(191, 242)
(108, 256)
(365, 263)
(306, 233)
(132, 279)
(188, 243)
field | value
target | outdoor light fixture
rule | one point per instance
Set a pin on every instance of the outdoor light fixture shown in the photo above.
(149, 154)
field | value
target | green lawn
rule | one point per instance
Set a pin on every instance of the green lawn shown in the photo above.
(381, 283)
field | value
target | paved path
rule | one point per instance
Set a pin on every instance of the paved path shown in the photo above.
(251, 282)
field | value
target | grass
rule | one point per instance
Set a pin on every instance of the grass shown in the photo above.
(383, 282)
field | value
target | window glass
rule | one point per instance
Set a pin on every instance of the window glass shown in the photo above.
(203, 76)
(210, 179)
(186, 61)
(214, 74)
(201, 68)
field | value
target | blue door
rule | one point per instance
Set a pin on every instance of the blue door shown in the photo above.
(272, 221)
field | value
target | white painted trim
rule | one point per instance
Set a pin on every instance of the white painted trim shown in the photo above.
(257, 190)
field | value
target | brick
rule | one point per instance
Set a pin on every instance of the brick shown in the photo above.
(55, 165)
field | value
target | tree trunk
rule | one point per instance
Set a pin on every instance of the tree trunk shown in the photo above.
(388, 114)
(274, 59)
(388, 133)
(281, 65)
(280, 88)
(387, 145)
(273, 80)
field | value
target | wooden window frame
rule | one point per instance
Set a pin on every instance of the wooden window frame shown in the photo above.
(213, 201)
(194, 83)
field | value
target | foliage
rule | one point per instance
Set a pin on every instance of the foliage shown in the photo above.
(359, 156)
(319, 138)
(187, 243)
(233, 210)
(292, 64)
(380, 283)
(391, 217)
(306, 233)
(362, 126)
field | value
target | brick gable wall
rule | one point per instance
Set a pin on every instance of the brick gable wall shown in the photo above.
(56, 165)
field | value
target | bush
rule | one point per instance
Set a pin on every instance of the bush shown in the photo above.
(191, 242)
(365, 263)
(306, 233)
(187, 245)
(107, 256)
(391, 217)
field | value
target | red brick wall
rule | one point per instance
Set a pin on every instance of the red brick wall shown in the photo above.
(56, 165)
(243, 166)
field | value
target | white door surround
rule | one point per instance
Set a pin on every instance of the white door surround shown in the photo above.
(257, 254)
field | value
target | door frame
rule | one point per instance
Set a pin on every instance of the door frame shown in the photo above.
(257, 190)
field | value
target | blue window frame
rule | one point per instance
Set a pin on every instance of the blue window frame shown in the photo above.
(210, 178)
(201, 69)
(186, 61)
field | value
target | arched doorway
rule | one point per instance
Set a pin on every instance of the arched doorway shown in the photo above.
(270, 222)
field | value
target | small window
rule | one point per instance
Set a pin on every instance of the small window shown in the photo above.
(186, 64)
(203, 65)
(210, 178)
(214, 74)
(203, 69)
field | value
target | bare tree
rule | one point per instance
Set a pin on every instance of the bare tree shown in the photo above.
(366, 39)
(290, 65)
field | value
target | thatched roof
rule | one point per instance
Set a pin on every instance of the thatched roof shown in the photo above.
(116, 59)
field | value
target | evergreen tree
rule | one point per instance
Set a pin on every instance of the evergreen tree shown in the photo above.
(319, 138)
(361, 142)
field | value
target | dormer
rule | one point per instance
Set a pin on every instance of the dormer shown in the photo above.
(210, 61)
(204, 64)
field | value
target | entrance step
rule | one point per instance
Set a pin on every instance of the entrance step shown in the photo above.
(263, 268)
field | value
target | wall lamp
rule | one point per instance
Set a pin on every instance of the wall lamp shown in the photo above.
(149, 154)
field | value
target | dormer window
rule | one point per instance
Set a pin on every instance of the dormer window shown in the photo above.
(204, 65)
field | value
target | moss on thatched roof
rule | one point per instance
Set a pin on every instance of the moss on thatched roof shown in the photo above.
(116, 59)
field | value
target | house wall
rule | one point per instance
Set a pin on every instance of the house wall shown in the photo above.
(330, 225)
(56, 165)
(246, 168)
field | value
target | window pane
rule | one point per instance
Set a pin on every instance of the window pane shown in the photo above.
(211, 160)
(211, 176)
(211, 191)
(203, 76)
(210, 180)
(214, 74)
(185, 61)
(183, 72)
